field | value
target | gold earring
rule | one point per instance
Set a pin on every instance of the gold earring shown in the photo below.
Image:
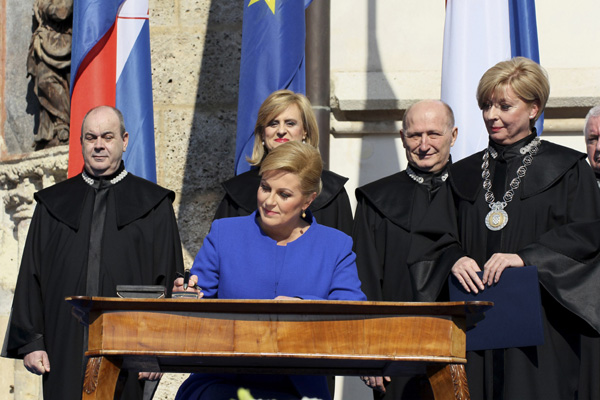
(303, 214)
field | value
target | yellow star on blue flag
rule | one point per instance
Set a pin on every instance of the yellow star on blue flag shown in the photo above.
(270, 3)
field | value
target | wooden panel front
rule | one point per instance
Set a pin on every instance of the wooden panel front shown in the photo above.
(346, 336)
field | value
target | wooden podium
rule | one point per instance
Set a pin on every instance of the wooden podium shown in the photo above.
(277, 336)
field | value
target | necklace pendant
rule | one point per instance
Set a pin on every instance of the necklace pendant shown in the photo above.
(497, 218)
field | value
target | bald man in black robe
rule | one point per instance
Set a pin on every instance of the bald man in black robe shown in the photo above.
(102, 228)
(387, 212)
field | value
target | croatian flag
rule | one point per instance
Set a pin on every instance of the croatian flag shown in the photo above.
(273, 38)
(110, 65)
(477, 35)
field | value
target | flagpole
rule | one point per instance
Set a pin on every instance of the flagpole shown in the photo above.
(317, 69)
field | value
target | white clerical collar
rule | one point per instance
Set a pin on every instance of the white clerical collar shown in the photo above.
(90, 181)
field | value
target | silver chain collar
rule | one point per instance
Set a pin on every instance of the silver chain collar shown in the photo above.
(497, 218)
(420, 179)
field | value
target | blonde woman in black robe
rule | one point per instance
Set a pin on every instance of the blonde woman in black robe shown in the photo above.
(484, 219)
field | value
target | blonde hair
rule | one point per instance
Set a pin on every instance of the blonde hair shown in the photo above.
(300, 159)
(525, 77)
(275, 104)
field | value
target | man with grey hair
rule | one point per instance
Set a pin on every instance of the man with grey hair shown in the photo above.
(591, 130)
(102, 228)
(390, 208)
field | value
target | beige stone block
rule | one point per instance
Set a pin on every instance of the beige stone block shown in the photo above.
(16, 383)
(176, 62)
(195, 12)
(199, 147)
(189, 67)
(194, 218)
(211, 13)
(164, 13)
(168, 386)
(220, 69)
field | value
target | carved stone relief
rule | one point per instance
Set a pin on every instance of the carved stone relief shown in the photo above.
(49, 62)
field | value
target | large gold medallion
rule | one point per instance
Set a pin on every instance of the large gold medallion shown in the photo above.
(496, 219)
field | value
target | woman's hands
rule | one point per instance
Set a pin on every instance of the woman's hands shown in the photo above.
(465, 270)
(192, 286)
(497, 263)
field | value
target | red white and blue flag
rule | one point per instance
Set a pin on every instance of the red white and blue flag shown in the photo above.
(110, 65)
(477, 35)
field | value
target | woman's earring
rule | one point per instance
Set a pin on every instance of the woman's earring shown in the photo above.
(304, 140)
(303, 214)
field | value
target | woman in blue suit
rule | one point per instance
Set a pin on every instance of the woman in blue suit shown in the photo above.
(277, 252)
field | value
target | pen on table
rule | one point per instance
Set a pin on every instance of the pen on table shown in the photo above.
(186, 279)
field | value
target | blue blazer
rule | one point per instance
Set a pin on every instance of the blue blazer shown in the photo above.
(239, 261)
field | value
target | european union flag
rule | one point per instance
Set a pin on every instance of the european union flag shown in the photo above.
(273, 38)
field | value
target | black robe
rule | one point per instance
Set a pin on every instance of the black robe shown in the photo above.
(330, 208)
(140, 245)
(553, 224)
(387, 212)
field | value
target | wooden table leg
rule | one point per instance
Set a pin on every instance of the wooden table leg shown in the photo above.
(449, 382)
(101, 376)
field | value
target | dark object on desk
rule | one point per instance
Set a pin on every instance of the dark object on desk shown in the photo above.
(185, 295)
(141, 291)
(516, 318)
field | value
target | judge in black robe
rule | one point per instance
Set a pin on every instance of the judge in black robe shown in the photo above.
(137, 244)
(282, 117)
(553, 220)
(389, 209)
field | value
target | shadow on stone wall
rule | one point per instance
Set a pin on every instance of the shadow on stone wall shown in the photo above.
(211, 147)
(376, 90)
